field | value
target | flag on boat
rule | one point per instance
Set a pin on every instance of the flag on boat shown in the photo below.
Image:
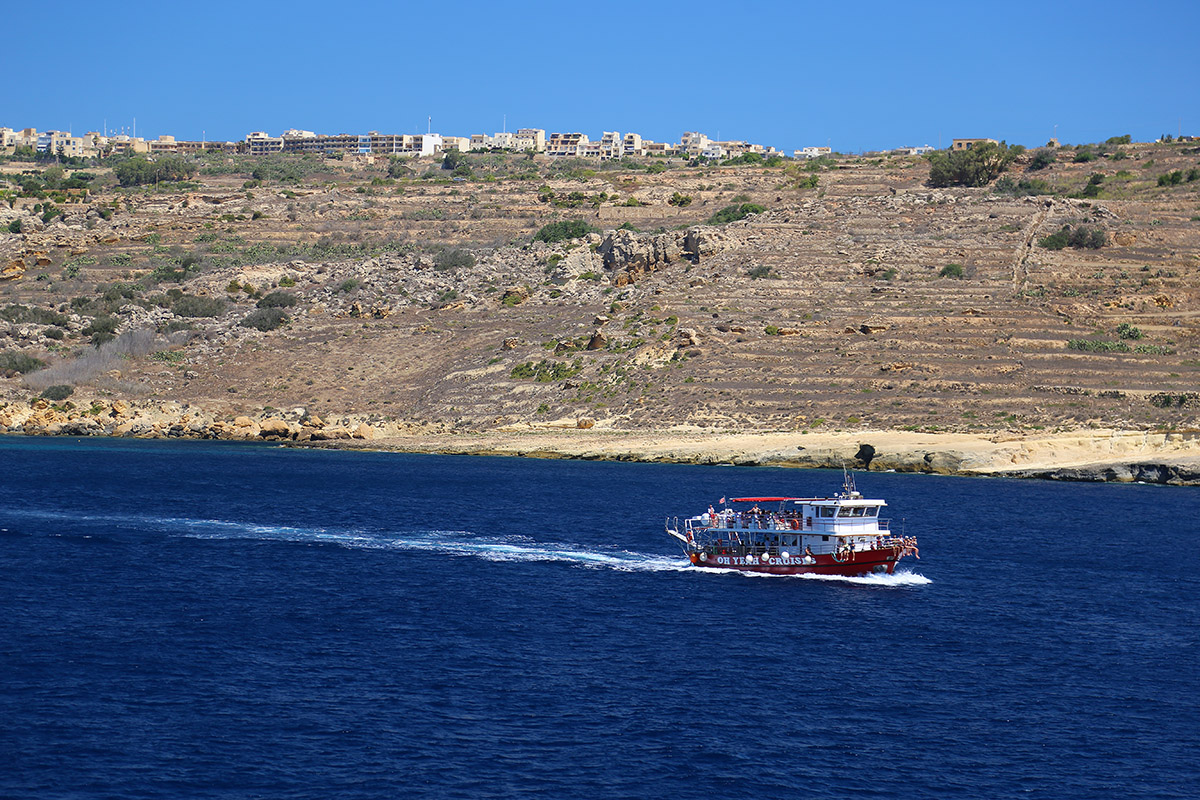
(722, 501)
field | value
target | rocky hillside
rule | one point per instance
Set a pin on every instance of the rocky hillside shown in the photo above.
(867, 301)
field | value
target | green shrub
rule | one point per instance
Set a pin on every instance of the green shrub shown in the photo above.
(562, 230)
(265, 319)
(58, 392)
(802, 181)
(1093, 185)
(348, 285)
(456, 258)
(977, 166)
(139, 170)
(14, 226)
(1085, 154)
(287, 281)
(1043, 158)
(192, 306)
(1098, 346)
(102, 329)
(1090, 238)
(1125, 139)
(19, 362)
(1171, 178)
(1056, 241)
(1127, 331)
(734, 213)
(1079, 238)
(54, 333)
(680, 200)
(278, 300)
(34, 314)
(951, 271)
(761, 271)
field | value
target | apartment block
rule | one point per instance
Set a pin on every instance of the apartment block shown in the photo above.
(658, 148)
(693, 143)
(61, 143)
(565, 144)
(531, 139)
(260, 143)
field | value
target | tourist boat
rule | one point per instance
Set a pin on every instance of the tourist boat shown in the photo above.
(839, 535)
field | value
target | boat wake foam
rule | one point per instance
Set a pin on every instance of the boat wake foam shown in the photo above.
(452, 543)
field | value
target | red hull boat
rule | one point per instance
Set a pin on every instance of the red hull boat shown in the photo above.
(839, 535)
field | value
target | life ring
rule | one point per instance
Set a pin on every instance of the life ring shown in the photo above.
(795, 524)
(704, 556)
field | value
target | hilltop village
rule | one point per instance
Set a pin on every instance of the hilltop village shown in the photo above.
(611, 144)
(980, 309)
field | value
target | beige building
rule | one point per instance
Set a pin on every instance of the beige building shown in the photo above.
(565, 144)
(61, 143)
(658, 148)
(693, 143)
(531, 139)
(967, 144)
(261, 144)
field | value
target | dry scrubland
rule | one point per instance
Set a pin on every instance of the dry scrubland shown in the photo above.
(870, 308)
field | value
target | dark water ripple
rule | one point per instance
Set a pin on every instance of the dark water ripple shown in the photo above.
(206, 620)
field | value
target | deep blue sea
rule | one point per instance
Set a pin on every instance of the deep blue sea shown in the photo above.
(215, 620)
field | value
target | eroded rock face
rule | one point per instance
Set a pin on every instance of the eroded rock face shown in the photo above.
(634, 255)
(629, 255)
(702, 241)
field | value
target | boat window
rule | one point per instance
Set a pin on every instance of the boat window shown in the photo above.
(873, 511)
(845, 511)
(827, 511)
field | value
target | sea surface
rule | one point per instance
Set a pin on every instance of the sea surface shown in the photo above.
(216, 620)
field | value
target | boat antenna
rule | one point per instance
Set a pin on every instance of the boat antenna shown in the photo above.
(847, 481)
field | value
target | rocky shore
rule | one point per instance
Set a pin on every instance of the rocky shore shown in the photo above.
(1094, 455)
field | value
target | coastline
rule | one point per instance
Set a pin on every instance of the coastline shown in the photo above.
(1091, 454)
(1081, 455)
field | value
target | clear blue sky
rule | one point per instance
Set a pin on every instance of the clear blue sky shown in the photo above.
(857, 76)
